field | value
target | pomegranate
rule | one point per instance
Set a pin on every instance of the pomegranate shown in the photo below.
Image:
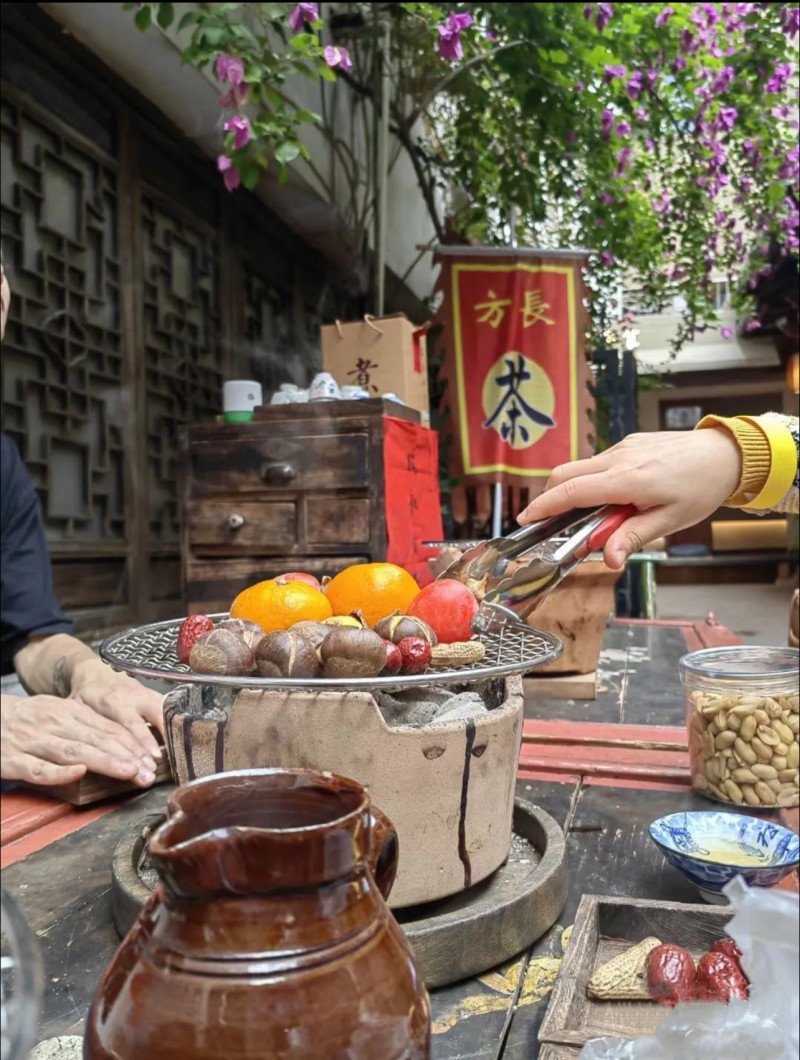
(448, 607)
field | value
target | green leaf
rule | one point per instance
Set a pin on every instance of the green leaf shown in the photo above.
(559, 57)
(287, 151)
(325, 72)
(188, 19)
(166, 15)
(214, 35)
(249, 172)
(775, 195)
(303, 41)
(143, 18)
(273, 96)
(301, 116)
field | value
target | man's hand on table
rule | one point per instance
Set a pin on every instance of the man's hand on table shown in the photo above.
(120, 699)
(48, 740)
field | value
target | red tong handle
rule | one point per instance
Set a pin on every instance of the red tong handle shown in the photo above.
(609, 525)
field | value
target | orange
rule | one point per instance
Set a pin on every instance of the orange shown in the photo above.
(374, 589)
(275, 605)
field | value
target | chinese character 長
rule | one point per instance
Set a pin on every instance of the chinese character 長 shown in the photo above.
(512, 410)
(534, 309)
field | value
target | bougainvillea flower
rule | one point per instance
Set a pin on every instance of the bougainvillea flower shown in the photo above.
(606, 123)
(240, 127)
(230, 174)
(229, 69)
(605, 12)
(301, 14)
(726, 333)
(450, 46)
(634, 85)
(607, 258)
(623, 129)
(337, 57)
(663, 16)
(614, 71)
(236, 96)
(727, 117)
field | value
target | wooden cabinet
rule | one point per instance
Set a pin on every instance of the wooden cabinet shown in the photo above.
(302, 487)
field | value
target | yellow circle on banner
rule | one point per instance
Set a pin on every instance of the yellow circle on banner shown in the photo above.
(518, 400)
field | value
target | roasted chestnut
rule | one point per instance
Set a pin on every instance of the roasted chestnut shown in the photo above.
(221, 652)
(399, 626)
(250, 632)
(314, 632)
(350, 652)
(286, 653)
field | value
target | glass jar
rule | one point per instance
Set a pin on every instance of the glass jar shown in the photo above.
(742, 717)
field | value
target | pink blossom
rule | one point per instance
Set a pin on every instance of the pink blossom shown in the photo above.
(641, 114)
(229, 69)
(230, 175)
(301, 14)
(605, 12)
(236, 96)
(726, 333)
(752, 325)
(606, 123)
(678, 64)
(634, 85)
(623, 160)
(663, 16)
(607, 258)
(777, 83)
(490, 35)
(622, 129)
(727, 117)
(606, 199)
(337, 57)
(239, 125)
(790, 16)
(450, 47)
(614, 71)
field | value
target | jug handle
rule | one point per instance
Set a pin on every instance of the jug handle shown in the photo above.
(384, 851)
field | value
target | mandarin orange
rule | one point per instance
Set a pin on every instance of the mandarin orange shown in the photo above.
(375, 589)
(278, 605)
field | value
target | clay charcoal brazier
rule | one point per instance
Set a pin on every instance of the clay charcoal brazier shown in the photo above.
(448, 787)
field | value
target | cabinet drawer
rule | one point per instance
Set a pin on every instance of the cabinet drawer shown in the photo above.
(279, 461)
(246, 526)
(338, 521)
(211, 585)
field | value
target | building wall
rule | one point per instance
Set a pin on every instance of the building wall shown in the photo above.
(138, 285)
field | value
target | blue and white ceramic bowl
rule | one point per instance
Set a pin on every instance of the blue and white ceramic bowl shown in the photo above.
(711, 847)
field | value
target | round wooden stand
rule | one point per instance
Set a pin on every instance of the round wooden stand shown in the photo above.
(454, 938)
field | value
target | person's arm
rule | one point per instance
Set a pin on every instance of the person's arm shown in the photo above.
(62, 665)
(675, 479)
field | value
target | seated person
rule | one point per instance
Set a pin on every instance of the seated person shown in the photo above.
(80, 714)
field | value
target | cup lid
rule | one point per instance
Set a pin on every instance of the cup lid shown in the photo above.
(743, 661)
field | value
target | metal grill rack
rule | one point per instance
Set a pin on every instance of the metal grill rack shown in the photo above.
(148, 652)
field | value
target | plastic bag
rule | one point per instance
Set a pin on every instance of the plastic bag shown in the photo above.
(766, 927)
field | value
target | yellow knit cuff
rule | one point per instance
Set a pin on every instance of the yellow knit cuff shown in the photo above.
(756, 455)
(783, 467)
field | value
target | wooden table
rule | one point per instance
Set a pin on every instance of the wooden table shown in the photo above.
(603, 793)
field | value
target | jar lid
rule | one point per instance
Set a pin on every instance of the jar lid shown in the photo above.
(742, 660)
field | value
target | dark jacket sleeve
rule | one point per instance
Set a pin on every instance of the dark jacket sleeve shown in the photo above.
(28, 605)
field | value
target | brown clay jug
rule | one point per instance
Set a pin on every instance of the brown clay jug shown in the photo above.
(268, 935)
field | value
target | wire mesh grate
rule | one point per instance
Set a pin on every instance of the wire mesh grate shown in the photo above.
(149, 652)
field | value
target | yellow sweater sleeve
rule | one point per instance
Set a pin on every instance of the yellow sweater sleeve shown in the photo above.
(768, 446)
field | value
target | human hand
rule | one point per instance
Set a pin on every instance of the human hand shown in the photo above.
(121, 699)
(674, 478)
(54, 741)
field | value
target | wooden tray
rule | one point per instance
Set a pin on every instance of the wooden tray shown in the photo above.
(605, 927)
(93, 788)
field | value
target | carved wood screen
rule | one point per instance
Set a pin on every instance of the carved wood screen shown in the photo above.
(132, 299)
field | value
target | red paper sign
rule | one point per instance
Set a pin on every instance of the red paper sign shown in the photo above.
(413, 505)
(514, 331)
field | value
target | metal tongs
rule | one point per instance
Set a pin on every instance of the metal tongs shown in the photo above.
(546, 557)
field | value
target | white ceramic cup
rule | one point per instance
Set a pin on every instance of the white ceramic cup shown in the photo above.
(241, 395)
(280, 397)
(324, 388)
(354, 393)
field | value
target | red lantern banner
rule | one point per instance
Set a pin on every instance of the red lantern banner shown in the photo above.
(514, 327)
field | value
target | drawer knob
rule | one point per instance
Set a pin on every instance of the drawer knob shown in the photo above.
(235, 522)
(278, 473)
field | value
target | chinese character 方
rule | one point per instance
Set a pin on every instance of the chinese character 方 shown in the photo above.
(493, 310)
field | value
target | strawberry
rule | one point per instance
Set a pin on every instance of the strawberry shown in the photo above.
(191, 628)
